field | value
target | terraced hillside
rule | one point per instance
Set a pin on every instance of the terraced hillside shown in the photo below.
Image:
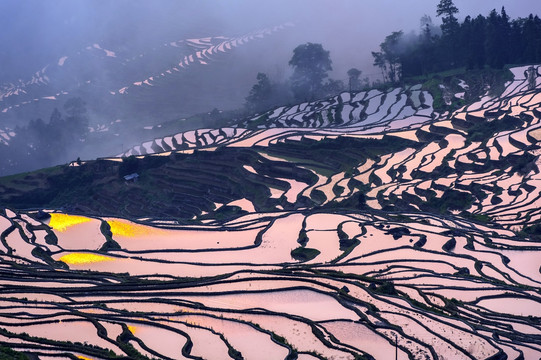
(120, 85)
(366, 226)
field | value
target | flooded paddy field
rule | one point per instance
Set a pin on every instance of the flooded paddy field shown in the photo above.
(355, 227)
(388, 286)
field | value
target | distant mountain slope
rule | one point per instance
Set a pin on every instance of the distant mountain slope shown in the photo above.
(149, 85)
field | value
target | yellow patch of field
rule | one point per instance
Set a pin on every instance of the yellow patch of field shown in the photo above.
(84, 357)
(62, 222)
(132, 329)
(84, 258)
(128, 229)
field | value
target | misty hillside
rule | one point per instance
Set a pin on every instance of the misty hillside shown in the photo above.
(170, 80)
(123, 91)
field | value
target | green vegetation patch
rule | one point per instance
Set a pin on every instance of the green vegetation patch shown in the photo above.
(304, 254)
(533, 231)
(482, 130)
(10, 354)
(451, 200)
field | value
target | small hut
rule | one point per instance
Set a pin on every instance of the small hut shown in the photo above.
(131, 177)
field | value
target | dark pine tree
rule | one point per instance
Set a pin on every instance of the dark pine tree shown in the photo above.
(311, 64)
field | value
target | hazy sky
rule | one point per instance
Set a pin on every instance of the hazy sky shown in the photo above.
(35, 31)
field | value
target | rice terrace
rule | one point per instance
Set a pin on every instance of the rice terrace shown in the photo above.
(397, 218)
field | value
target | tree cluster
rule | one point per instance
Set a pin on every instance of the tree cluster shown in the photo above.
(475, 43)
(40, 144)
(264, 95)
(310, 80)
(310, 63)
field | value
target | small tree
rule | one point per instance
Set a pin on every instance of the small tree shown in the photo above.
(354, 82)
(260, 95)
(426, 29)
(215, 116)
(310, 63)
(333, 87)
(388, 58)
(76, 124)
(447, 10)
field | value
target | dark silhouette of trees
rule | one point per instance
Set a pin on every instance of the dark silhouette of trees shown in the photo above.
(426, 28)
(447, 10)
(260, 95)
(498, 30)
(388, 58)
(311, 64)
(265, 94)
(531, 39)
(40, 144)
(478, 42)
(353, 79)
(332, 87)
(474, 38)
(309, 81)
(419, 58)
(450, 29)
